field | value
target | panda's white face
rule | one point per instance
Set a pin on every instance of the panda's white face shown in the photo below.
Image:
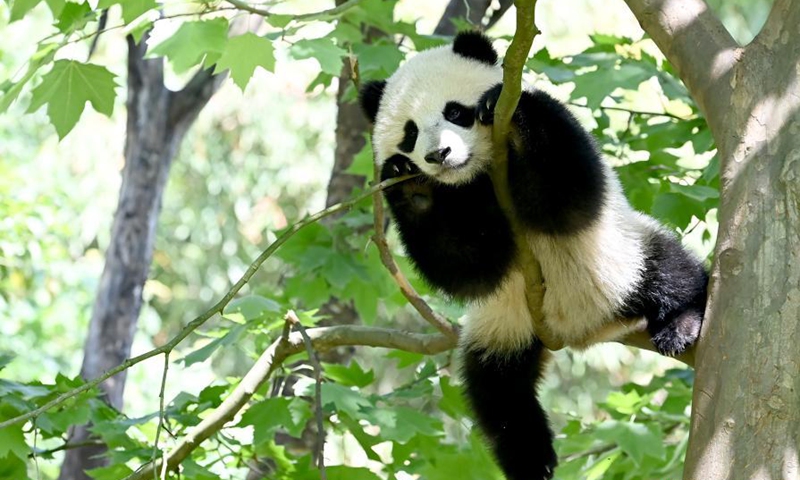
(427, 113)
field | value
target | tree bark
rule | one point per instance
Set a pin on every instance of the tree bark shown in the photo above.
(746, 403)
(157, 122)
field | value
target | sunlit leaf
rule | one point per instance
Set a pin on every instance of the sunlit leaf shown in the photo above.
(66, 89)
(243, 54)
(193, 42)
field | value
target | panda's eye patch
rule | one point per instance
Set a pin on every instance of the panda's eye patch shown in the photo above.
(410, 132)
(458, 114)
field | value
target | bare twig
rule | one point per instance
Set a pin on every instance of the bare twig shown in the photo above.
(636, 112)
(215, 309)
(160, 413)
(305, 17)
(322, 338)
(65, 446)
(291, 318)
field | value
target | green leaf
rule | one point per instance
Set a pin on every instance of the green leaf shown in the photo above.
(269, 415)
(452, 402)
(362, 161)
(323, 50)
(343, 398)
(350, 376)
(113, 472)
(5, 359)
(202, 353)
(635, 439)
(74, 16)
(699, 193)
(243, 54)
(405, 359)
(676, 209)
(13, 467)
(20, 7)
(400, 424)
(193, 42)
(12, 442)
(250, 307)
(378, 60)
(66, 89)
(279, 21)
(133, 9)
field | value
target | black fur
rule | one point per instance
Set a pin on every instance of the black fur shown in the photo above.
(410, 132)
(460, 241)
(502, 391)
(555, 174)
(476, 46)
(370, 98)
(437, 223)
(671, 295)
(459, 114)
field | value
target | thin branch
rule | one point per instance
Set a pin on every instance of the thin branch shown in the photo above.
(408, 291)
(215, 309)
(305, 17)
(291, 318)
(66, 446)
(322, 338)
(635, 112)
(513, 64)
(160, 411)
(697, 44)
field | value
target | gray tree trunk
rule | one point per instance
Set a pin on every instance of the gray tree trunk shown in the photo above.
(157, 121)
(746, 404)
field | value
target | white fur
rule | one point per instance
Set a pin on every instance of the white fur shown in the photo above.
(587, 275)
(587, 278)
(419, 91)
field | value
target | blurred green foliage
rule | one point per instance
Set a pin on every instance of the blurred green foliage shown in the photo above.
(257, 161)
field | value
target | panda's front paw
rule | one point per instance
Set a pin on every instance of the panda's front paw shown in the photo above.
(398, 166)
(414, 195)
(485, 110)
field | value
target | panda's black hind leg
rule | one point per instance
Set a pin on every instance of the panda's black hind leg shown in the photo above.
(501, 388)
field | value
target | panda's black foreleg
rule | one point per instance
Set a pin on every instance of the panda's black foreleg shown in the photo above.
(501, 388)
(456, 235)
(555, 174)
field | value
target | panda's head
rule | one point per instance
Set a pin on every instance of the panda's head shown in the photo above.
(426, 110)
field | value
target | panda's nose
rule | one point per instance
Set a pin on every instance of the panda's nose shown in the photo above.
(438, 156)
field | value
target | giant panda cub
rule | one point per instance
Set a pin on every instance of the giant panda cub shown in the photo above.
(601, 260)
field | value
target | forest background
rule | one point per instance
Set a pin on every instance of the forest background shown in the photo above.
(265, 152)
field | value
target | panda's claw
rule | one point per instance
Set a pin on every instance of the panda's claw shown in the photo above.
(485, 110)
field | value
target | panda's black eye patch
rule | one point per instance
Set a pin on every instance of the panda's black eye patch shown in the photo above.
(458, 114)
(410, 132)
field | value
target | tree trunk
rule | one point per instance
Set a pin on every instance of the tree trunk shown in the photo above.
(746, 421)
(157, 122)
(746, 404)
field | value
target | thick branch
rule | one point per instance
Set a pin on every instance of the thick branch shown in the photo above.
(322, 338)
(781, 24)
(697, 44)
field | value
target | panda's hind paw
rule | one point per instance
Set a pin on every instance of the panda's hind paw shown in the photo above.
(485, 109)
(679, 334)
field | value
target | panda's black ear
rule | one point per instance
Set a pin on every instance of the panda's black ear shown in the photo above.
(476, 46)
(370, 97)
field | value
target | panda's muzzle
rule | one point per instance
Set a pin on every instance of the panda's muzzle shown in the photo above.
(438, 156)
